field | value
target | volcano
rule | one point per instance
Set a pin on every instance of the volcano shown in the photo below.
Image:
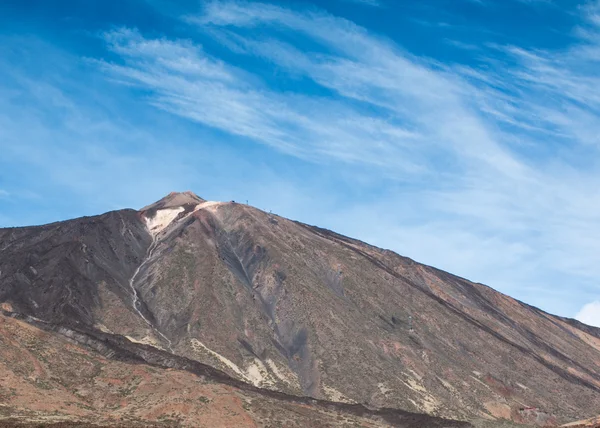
(272, 311)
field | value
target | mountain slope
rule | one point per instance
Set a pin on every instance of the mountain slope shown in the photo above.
(303, 310)
(55, 375)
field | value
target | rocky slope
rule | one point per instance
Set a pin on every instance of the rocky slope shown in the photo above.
(588, 423)
(297, 309)
(58, 376)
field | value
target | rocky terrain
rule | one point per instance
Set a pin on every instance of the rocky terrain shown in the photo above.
(588, 423)
(267, 306)
(57, 375)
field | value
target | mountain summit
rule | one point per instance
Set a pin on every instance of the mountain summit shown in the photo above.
(292, 308)
(175, 200)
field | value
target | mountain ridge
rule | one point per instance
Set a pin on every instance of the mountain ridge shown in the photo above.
(292, 307)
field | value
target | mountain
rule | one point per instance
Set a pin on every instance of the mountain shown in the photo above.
(300, 310)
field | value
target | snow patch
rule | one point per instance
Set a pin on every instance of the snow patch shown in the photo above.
(290, 378)
(428, 403)
(146, 340)
(162, 219)
(416, 385)
(208, 204)
(165, 216)
(256, 373)
(197, 344)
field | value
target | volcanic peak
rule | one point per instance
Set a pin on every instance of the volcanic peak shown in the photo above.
(173, 200)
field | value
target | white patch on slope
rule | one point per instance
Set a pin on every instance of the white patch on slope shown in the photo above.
(162, 219)
(256, 373)
(290, 379)
(207, 204)
(428, 402)
(146, 340)
(196, 343)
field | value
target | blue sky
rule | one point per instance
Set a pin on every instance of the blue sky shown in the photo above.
(462, 133)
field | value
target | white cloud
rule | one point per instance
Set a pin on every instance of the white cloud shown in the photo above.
(366, 68)
(590, 314)
(189, 83)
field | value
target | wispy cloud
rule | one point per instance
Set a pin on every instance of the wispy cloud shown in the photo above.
(186, 81)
